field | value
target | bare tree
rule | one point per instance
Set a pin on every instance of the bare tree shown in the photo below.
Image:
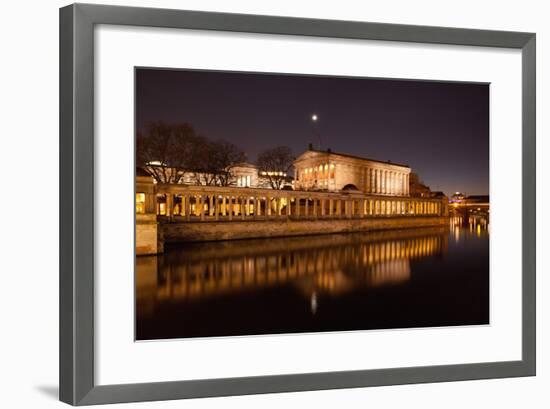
(214, 162)
(225, 157)
(166, 151)
(275, 164)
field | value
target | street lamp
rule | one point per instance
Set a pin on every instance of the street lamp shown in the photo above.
(314, 117)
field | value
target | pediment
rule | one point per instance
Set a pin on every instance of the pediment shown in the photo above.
(311, 155)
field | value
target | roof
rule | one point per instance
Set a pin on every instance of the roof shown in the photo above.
(346, 155)
(245, 165)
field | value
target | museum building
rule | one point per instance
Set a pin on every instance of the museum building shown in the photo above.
(331, 171)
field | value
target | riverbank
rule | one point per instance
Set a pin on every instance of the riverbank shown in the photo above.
(215, 231)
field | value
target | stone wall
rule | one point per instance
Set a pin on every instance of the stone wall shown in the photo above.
(210, 231)
(147, 237)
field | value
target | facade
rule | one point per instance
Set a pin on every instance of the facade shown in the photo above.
(147, 242)
(330, 171)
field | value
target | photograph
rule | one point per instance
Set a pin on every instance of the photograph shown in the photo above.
(269, 203)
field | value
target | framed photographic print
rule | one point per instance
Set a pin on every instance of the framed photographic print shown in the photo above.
(254, 204)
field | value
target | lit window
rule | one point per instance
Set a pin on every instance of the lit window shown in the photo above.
(162, 209)
(140, 203)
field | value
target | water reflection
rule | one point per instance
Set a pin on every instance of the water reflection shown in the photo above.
(316, 283)
(314, 264)
(479, 225)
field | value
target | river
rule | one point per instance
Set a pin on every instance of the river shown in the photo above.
(339, 282)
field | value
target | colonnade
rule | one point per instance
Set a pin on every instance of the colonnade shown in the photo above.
(380, 181)
(219, 204)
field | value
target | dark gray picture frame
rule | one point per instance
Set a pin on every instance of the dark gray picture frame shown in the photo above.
(77, 383)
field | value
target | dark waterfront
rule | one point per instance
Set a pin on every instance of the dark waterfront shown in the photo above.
(378, 280)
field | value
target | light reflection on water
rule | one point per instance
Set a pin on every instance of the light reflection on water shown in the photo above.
(300, 284)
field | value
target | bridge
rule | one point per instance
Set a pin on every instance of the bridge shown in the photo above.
(474, 209)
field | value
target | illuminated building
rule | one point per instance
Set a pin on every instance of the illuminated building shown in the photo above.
(331, 171)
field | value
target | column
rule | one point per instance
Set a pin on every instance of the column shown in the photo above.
(230, 207)
(322, 208)
(211, 205)
(297, 206)
(222, 206)
(169, 201)
(187, 207)
(330, 207)
(216, 207)
(255, 207)
(367, 180)
(307, 207)
(268, 206)
(339, 208)
(242, 202)
(397, 183)
(288, 207)
(314, 208)
(201, 201)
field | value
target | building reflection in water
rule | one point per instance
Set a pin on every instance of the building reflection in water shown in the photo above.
(315, 266)
(478, 225)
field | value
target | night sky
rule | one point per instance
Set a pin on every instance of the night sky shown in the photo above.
(439, 129)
